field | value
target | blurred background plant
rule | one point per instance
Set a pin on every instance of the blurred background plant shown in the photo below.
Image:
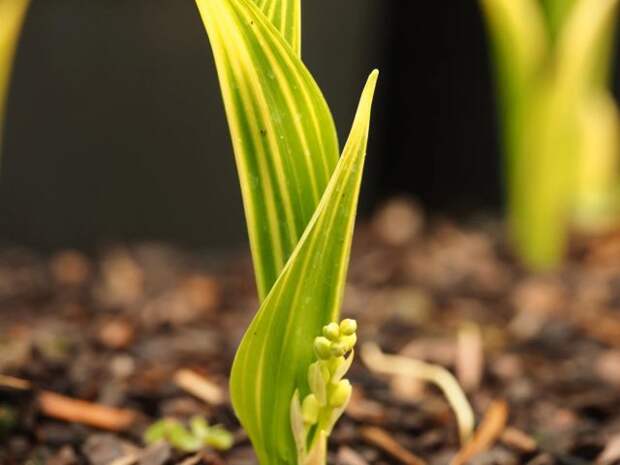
(12, 13)
(559, 118)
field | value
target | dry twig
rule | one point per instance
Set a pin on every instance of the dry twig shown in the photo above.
(199, 386)
(519, 440)
(380, 438)
(17, 384)
(490, 429)
(74, 410)
(87, 413)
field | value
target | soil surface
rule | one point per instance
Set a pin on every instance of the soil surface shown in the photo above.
(95, 348)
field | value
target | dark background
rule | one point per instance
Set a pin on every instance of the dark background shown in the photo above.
(116, 130)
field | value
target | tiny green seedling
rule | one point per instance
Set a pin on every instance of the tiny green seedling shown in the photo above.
(12, 13)
(300, 200)
(199, 435)
(560, 121)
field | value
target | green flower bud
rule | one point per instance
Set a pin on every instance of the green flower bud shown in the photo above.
(322, 347)
(341, 368)
(331, 331)
(349, 341)
(338, 349)
(310, 409)
(317, 379)
(341, 394)
(348, 327)
(297, 421)
(325, 373)
(335, 362)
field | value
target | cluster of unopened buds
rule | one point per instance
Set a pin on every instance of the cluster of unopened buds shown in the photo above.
(313, 418)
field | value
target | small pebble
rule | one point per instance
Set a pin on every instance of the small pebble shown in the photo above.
(495, 456)
(607, 367)
(116, 334)
(347, 456)
(103, 448)
(65, 456)
(542, 459)
(70, 268)
(155, 454)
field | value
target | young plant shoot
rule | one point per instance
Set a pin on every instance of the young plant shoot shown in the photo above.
(300, 200)
(560, 122)
(199, 434)
(12, 13)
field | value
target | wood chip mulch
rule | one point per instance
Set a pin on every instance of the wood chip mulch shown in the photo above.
(95, 347)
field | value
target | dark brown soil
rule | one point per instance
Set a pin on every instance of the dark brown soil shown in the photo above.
(113, 329)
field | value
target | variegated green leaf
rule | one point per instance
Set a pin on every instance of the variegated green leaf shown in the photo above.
(283, 133)
(12, 13)
(277, 349)
(556, 12)
(286, 17)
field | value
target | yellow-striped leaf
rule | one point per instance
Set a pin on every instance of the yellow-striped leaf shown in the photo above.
(12, 13)
(556, 12)
(286, 17)
(277, 349)
(283, 133)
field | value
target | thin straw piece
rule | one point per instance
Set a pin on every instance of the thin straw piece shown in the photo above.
(379, 362)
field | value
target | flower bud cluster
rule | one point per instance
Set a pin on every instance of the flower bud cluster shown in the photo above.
(329, 392)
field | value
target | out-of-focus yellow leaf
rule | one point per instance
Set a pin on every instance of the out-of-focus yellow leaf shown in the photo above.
(596, 202)
(556, 12)
(12, 13)
(553, 59)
